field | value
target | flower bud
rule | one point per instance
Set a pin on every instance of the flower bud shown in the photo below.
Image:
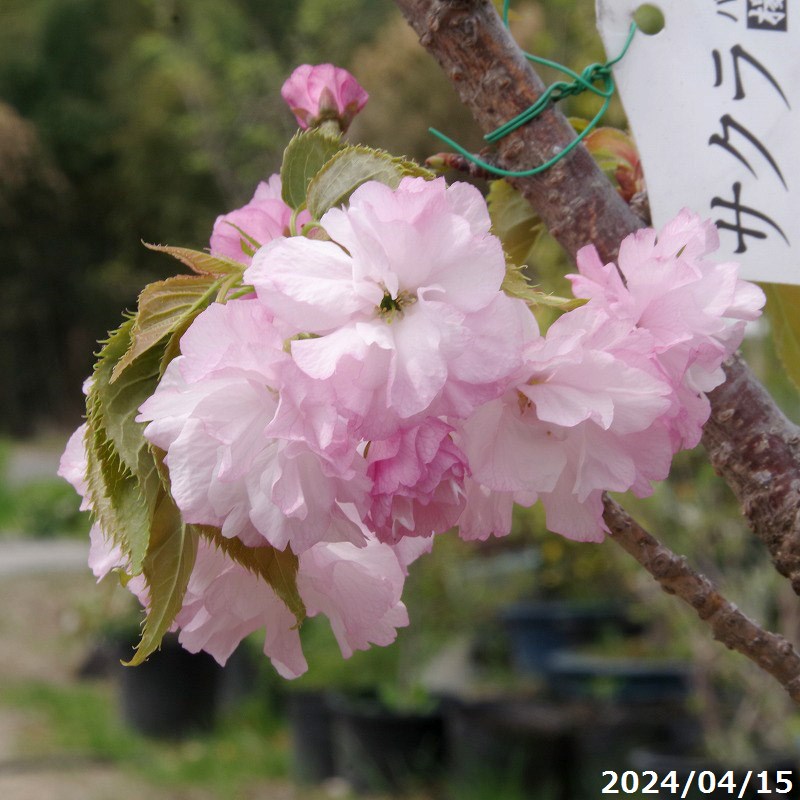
(323, 92)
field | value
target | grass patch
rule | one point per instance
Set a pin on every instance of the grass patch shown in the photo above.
(247, 746)
(42, 509)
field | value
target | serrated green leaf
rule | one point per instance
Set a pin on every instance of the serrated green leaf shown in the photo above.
(162, 308)
(118, 502)
(123, 484)
(514, 222)
(117, 343)
(516, 284)
(170, 558)
(783, 310)
(349, 168)
(119, 403)
(200, 262)
(109, 469)
(304, 157)
(277, 567)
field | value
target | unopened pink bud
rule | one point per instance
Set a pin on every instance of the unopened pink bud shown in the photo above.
(323, 92)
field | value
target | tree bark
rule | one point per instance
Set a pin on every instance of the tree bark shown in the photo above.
(749, 441)
(496, 82)
(757, 450)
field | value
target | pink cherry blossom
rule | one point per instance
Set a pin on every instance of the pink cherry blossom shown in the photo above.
(107, 556)
(405, 304)
(694, 308)
(264, 218)
(487, 512)
(212, 413)
(72, 466)
(322, 92)
(587, 418)
(105, 553)
(224, 603)
(417, 482)
(358, 589)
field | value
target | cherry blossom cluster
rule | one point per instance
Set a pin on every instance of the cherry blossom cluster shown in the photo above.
(379, 388)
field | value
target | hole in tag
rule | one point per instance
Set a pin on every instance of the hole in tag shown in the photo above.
(649, 19)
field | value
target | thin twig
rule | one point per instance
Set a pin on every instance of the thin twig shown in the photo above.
(773, 653)
(459, 163)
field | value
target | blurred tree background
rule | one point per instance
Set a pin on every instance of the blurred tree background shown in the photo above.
(122, 122)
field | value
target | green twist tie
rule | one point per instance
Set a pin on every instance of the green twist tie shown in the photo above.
(585, 82)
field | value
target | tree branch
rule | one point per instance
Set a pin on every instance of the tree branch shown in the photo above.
(771, 652)
(749, 441)
(757, 450)
(496, 82)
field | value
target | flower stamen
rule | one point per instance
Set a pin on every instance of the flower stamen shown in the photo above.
(390, 306)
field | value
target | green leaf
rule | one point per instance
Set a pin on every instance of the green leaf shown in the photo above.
(110, 469)
(163, 307)
(129, 486)
(277, 567)
(119, 402)
(123, 480)
(516, 284)
(349, 168)
(200, 262)
(612, 146)
(118, 502)
(304, 157)
(170, 558)
(248, 243)
(514, 222)
(783, 310)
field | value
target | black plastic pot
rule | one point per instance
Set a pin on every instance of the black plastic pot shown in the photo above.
(310, 726)
(173, 693)
(635, 703)
(377, 749)
(511, 747)
(537, 631)
(573, 676)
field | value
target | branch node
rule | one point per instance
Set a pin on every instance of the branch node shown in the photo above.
(726, 415)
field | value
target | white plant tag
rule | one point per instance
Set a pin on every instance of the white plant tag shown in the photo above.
(713, 101)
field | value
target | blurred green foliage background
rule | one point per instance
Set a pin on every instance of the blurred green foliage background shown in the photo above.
(123, 122)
